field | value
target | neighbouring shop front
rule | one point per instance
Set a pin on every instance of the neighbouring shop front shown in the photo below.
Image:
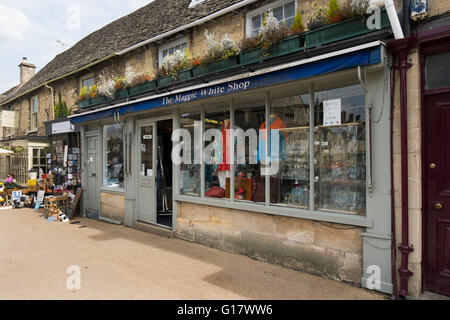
(305, 183)
(63, 160)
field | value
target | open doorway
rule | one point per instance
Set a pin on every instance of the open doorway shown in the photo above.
(164, 173)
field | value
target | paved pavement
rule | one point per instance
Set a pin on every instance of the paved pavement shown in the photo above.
(117, 262)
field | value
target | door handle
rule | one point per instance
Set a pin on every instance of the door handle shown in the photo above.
(438, 206)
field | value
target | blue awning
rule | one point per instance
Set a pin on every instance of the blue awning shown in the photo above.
(363, 57)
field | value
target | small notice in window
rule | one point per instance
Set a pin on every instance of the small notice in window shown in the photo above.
(332, 112)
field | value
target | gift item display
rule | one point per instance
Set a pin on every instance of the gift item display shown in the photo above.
(190, 170)
(65, 164)
(293, 170)
(249, 119)
(217, 161)
(340, 151)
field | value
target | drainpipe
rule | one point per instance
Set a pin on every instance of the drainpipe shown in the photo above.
(393, 229)
(53, 99)
(401, 49)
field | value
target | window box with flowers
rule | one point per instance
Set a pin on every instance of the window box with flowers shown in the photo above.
(84, 98)
(274, 40)
(175, 68)
(339, 22)
(220, 56)
(142, 83)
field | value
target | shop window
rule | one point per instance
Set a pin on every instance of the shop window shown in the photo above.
(171, 48)
(34, 108)
(290, 185)
(284, 11)
(436, 70)
(336, 179)
(340, 150)
(113, 158)
(190, 176)
(216, 154)
(249, 183)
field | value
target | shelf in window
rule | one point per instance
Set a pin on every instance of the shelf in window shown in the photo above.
(351, 124)
(294, 128)
(345, 182)
(360, 212)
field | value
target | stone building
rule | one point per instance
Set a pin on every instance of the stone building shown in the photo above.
(335, 205)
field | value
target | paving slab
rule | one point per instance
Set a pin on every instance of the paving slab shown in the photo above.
(117, 262)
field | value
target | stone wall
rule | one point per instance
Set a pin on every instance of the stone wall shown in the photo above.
(325, 249)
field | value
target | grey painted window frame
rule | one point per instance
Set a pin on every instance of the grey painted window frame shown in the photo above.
(267, 207)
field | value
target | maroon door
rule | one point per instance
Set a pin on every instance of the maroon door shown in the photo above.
(437, 250)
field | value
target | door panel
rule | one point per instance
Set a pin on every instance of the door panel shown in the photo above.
(437, 275)
(92, 174)
(147, 172)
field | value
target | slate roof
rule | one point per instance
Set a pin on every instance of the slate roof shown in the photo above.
(157, 17)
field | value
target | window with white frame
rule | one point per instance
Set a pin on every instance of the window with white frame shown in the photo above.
(283, 10)
(87, 81)
(171, 48)
(34, 108)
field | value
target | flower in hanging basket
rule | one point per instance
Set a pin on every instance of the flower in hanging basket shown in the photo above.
(249, 43)
(93, 92)
(106, 87)
(334, 12)
(119, 84)
(84, 93)
(346, 11)
(317, 17)
(175, 63)
(196, 61)
(271, 31)
(297, 26)
(359, 7)
(217, 50)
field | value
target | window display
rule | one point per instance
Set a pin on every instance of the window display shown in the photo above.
(340, 150)
(113, 146)
(249, 184)
(338, 147)
(217, 161)
(292, 180)
(190, 183)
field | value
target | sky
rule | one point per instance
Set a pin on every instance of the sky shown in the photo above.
(32, 29)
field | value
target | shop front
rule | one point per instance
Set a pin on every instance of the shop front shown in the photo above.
(287, 164)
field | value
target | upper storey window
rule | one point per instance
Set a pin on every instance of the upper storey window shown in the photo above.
(283, 10)
(171, 48)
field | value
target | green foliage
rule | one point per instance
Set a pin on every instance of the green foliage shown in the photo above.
(298, 26)
(84, 94)
(333, 8)
(61, 110)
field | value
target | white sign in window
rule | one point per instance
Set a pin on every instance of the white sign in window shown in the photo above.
(332, 112)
